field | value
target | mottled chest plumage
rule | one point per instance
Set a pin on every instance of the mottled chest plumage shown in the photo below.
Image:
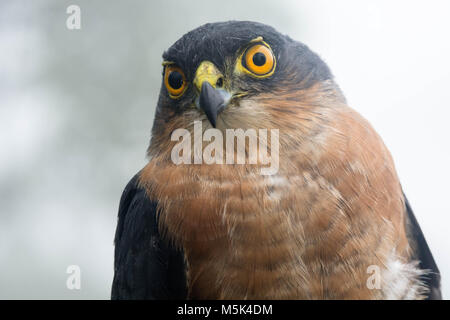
(306, 233)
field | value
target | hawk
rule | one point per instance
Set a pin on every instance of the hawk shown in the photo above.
(331, 222)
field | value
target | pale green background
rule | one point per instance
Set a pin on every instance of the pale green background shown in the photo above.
(76, 109)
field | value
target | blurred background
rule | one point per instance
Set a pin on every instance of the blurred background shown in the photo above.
(77, 106)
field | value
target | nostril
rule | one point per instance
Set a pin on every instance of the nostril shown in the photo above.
(219, 82)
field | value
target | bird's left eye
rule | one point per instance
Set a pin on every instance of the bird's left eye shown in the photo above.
(259, 60)
(175, 81)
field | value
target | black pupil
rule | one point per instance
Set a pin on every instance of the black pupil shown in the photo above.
(175, 80)
(259, 59)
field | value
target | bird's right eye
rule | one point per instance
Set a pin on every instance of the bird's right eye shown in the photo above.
(175, 81)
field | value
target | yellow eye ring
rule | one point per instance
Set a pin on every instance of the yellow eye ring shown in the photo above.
(175, 81)
(259, 60)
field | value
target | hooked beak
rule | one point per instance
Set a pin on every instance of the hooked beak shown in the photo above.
(211, 102)
(212, 98)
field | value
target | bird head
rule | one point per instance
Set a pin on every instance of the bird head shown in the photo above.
(239, 74)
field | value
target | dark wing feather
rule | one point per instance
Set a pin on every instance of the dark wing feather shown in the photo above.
(423, 254)
(145, 266)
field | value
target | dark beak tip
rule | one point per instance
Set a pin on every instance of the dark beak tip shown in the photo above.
(211, 101)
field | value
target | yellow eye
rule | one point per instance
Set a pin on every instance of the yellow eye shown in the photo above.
(175, 81)
(259, 60)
